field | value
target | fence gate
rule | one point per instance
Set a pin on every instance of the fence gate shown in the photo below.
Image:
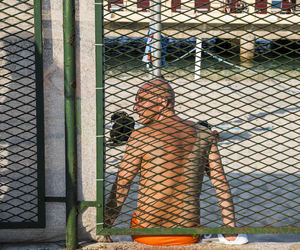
(233, 65)
(21, 115)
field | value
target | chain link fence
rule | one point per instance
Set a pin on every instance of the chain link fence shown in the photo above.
(21, 108)
(234, 69)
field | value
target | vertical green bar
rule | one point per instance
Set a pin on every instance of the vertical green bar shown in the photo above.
(39, 110)
(99, 110)
(70, 122)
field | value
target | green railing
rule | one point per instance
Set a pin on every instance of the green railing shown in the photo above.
(21, 111)
(235, 67)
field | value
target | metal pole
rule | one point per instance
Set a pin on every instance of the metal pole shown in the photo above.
(70, 122)
(155, 24)
(198, 58)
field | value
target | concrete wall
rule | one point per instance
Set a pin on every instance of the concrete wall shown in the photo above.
(54, 123)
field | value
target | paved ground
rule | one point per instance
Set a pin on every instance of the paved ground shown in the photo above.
(131, 245)
(256, 242)
(206, 246)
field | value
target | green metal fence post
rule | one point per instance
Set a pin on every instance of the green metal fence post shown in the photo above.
(100, 110)
(70, 122)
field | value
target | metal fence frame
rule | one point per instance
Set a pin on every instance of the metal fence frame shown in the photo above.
(100, 95)
(39, 103)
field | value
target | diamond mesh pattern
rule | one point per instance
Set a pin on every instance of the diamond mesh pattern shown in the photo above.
(233, 64)
(19, 201)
